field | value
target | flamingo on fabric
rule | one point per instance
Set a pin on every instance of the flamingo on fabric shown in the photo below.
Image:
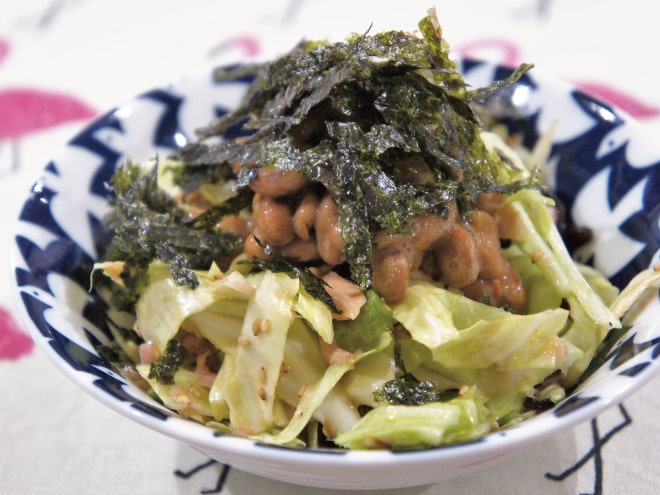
(25, 110)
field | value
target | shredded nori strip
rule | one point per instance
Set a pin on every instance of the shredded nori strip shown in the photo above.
(149, 225)
(215, 213)
(410, 392)
(166, 367)
(312, 284)
(113, 353)
(345, 115)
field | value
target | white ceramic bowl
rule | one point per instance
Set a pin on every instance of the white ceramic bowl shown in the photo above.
(602, 166)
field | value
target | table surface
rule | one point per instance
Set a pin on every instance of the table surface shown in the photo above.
(62, 62)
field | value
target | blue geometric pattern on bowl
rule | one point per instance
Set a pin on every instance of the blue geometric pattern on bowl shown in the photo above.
(601, 167)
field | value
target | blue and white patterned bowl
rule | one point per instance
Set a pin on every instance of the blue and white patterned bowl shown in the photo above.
(602, 166)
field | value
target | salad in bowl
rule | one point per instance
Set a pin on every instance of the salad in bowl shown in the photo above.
(353, 258)
(367, 258)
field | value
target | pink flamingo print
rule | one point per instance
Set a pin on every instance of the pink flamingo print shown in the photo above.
(14, 343)
(28, 110)
(247, 46)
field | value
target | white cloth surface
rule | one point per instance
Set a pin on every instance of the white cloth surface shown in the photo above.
(54, 439)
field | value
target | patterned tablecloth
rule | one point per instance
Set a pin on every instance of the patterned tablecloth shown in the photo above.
(62, 62)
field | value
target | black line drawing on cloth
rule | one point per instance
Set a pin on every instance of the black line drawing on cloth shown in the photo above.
(291, 10)
(539, 9)
(595, 453)
(221, 479)
(48, 14)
